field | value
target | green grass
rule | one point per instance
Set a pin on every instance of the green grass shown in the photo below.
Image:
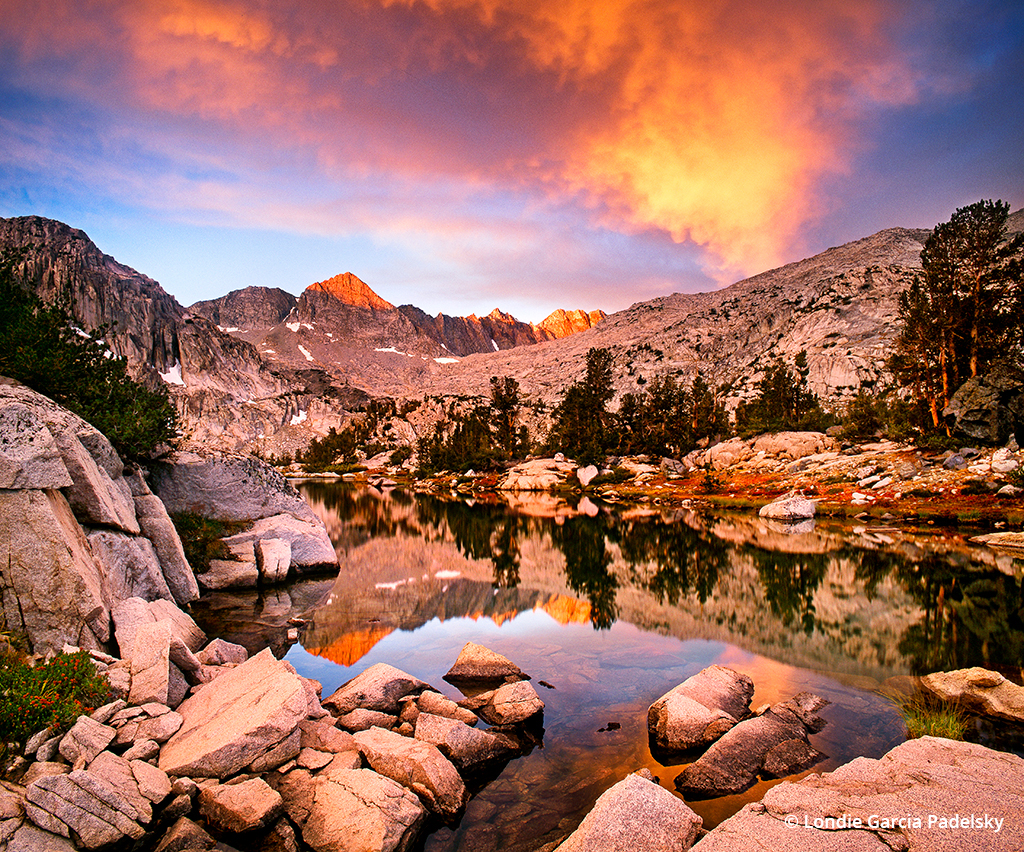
(925, 716)
(201, 538)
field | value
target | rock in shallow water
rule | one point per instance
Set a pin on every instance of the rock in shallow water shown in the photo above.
(773, 744)
(637, 815)
(479, 664)
(700, 709)
(791, 507)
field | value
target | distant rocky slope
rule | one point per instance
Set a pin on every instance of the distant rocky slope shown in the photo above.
(257, 368)
(262, 369)
(839, 306)
(333, 315)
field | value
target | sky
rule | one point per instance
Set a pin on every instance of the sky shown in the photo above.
(463, 155)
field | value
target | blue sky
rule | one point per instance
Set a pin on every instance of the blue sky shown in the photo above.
(462, 155)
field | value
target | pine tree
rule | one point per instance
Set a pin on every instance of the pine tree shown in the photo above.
(965, 308)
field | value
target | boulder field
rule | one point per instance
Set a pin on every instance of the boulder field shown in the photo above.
(252, 759)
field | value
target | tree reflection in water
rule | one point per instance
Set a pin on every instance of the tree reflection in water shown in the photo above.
(969, 614)
(583, 543)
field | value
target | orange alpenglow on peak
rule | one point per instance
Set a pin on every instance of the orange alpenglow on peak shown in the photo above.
(562, 323)
(350, 290)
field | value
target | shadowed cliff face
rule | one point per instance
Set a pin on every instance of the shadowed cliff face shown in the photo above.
(256, 368)
(859, 603)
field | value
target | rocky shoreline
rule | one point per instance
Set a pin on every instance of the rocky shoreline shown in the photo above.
(971, 487)
(206, 747)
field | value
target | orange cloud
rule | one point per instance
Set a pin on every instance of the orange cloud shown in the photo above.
(718, 118)
(711, 121)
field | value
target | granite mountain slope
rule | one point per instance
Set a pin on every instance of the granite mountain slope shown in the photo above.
(840, 306)
(259, 368)
(262, 369)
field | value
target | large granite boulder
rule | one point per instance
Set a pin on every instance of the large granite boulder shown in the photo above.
(789, 507)
(638, 815)
(510, 704)
(926, 795)
(772, 745)
(29, 457)
(700, 709)
(379, 689)
(53, 591)
(477, 664)
(794, 445)
(77, 546)
(980, 691)
(538, 475)
(357, 809)
(470, 749)
(237, 808)
(84, 804)
(130, 565)
(248, 712)
(232, 487)
(415, 764)
(989, 408)
(157, 526)
(130, 614)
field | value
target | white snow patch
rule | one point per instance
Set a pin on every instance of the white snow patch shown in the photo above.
(305, 352)
(445, 348)
(293, 326)
(447, 360)
(396, 351)
(228, 330)
(391, 586)
(307, 325)
(173, 375)
(494, 344)
(299, 418)
(329, 334)
(270, 351)
(447, 575)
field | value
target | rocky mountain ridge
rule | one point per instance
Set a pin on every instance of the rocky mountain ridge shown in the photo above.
(840, 306)
(344, 308)
(262, 369)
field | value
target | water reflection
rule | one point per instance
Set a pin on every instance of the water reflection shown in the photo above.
(612, 608)
(864, 602)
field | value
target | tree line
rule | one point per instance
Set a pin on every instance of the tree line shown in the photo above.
(962, 314)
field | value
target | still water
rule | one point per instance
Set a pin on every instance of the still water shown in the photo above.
(612, 607)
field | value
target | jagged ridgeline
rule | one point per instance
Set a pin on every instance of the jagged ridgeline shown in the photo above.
(263, 369)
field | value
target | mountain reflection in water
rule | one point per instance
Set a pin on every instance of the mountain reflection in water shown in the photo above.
(611, 608)
(862, 602)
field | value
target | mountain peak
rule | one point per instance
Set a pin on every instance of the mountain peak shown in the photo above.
(350, 290)
(562, 323)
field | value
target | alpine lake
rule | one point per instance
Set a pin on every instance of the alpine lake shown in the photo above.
(607, 607)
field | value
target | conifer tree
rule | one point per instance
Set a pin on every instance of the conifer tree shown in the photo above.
(965, 308)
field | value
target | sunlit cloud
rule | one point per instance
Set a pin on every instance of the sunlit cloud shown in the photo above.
(468, 127)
